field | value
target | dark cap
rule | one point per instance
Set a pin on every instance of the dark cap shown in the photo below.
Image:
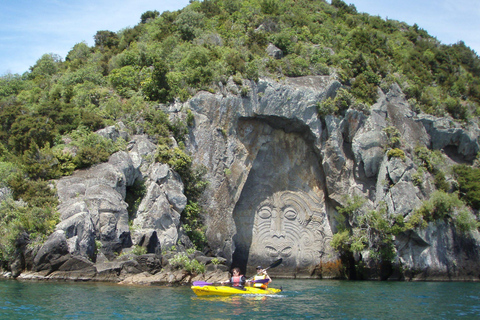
(259, 267)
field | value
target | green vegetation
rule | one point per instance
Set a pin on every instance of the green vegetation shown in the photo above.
(444, 206)
(468, 184)
(337, 106)
(182, 261)
(396, 153)
(48, 114)
(133, 197)
(431, 161)
(374, 230)
(139, 250)
(359, 229)
(36, 219)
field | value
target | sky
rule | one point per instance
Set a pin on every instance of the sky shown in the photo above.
(31, 28)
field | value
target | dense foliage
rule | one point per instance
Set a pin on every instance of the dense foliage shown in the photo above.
(48, 114)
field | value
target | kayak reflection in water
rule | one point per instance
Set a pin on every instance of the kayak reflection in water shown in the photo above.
(237, 280)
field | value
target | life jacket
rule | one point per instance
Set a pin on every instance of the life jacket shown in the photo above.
(260, 285)
(237, 281)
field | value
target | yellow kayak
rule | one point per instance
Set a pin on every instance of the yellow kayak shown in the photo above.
(227, 290)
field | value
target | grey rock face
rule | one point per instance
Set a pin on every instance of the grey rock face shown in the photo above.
(93, 206)
(439, 253)
(274, 52)
(277, 171)
(158, 215)
(267, 196)
(445, 133)
(114, 132)
(80, 232)
(53, 253)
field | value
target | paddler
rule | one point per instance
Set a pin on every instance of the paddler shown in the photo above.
(237, 280)
(261, 275)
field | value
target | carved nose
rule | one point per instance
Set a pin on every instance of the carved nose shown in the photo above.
(277, 224)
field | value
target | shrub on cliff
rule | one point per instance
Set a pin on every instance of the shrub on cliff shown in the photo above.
(192, 266)
(362, 229)
(468, 179)
(36, 219)
(447, 207)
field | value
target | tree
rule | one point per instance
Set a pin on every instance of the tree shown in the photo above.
(47, 65)
(157, 88)
(124, 79)
(27, 130)
(79, 53)
(41, 163)
(148, 15)
(106, 38)
(189, 23)
(468, 179)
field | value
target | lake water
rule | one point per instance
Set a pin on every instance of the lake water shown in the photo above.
(302, 299)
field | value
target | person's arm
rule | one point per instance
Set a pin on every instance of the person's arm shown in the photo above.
(264, 272)
(268, 277)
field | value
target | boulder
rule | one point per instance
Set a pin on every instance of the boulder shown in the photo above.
(114, 132)
(274, 52)
(52, 254)
(150, 263)
(80, 233)
(75, 269)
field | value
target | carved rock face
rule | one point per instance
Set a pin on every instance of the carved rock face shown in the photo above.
(281, 212)
(292, 226)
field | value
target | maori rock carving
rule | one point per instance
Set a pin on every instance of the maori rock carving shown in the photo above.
(292, 226)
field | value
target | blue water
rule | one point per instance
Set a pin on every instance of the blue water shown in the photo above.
(301, 299)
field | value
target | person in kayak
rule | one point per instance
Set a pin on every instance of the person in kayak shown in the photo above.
(237, 280)
(261, 275)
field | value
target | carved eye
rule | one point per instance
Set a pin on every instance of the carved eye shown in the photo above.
(290, 214)
(271, 251)
(286, 252)
(265, 213)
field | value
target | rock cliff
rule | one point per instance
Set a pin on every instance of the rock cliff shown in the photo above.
(277, 173)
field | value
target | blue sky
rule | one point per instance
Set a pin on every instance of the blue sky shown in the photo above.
(30, 28)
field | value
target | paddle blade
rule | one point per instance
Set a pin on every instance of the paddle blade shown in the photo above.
(260, 281)
(201, 283)
(276, 263)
